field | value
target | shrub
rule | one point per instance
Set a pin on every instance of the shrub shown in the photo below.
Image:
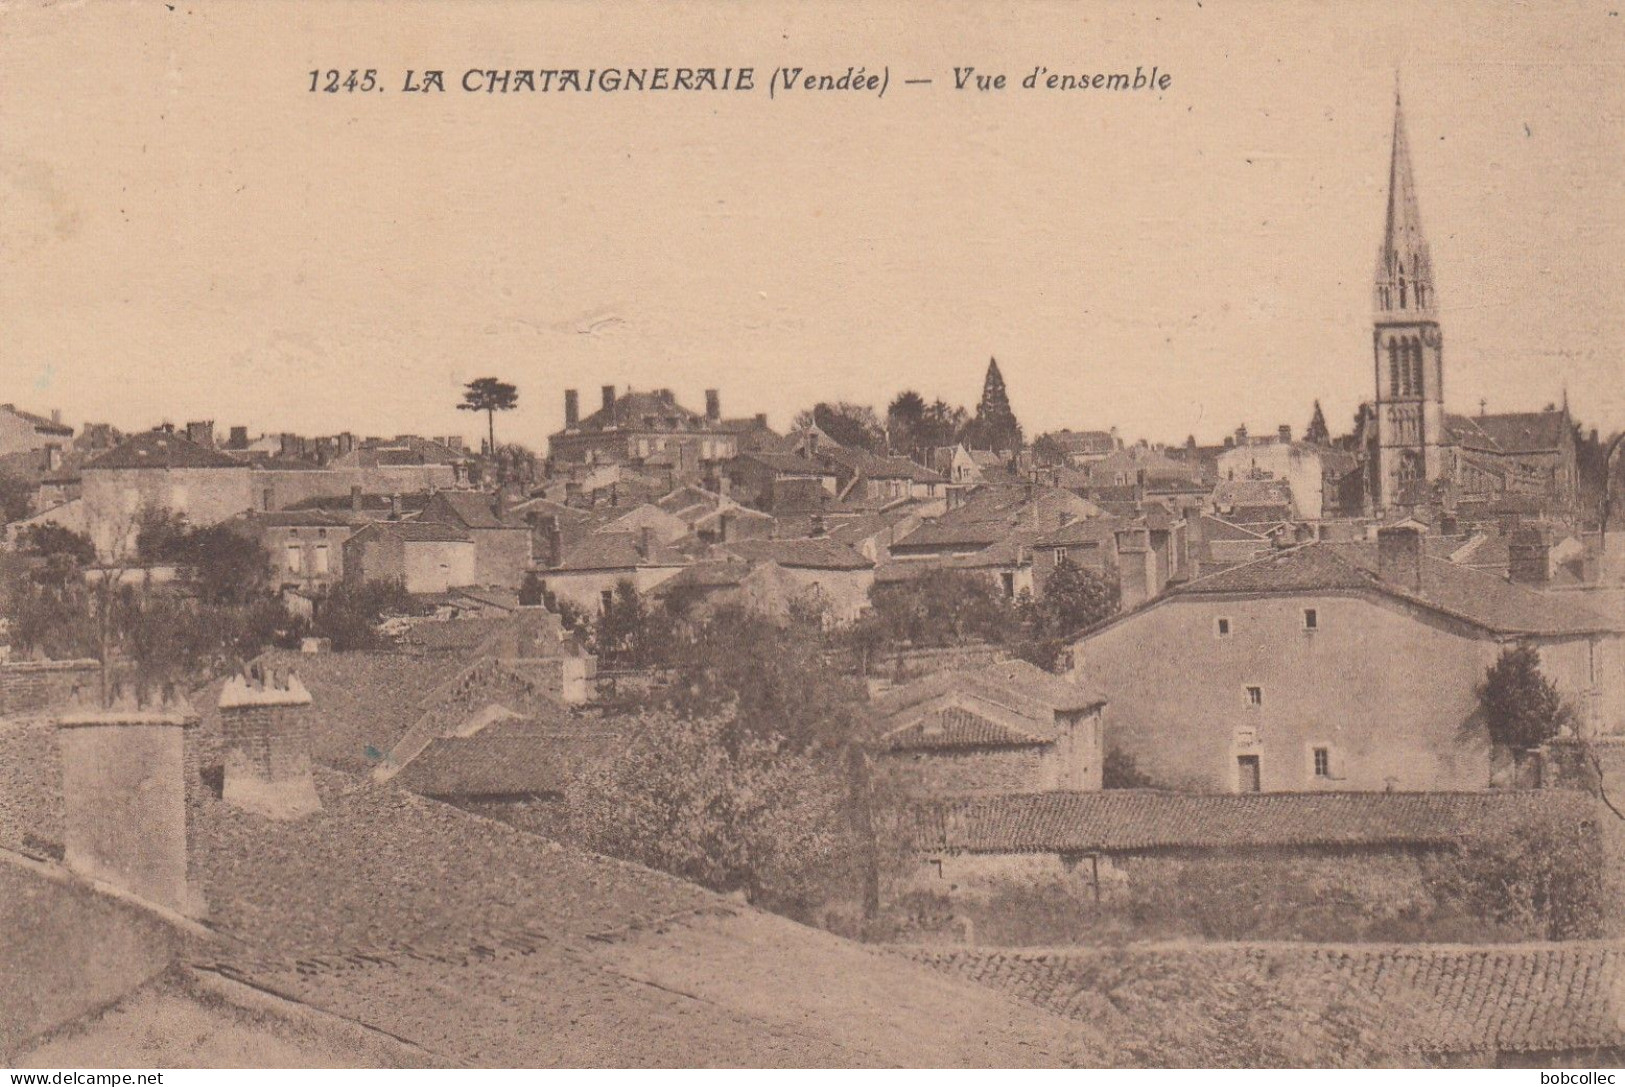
(1522, 708)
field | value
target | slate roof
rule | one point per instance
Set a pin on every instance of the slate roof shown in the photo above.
(713, 574)
(160, 449)
(1468, 594)
(811, 554)
(789, 464)
(652, 410)
(1132, 820)
(1509, 433)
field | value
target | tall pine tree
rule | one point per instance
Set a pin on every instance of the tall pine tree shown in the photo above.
(994, 426)
(1318, 432)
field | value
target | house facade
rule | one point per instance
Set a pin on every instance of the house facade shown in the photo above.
(1005, 727)
(1326, 667)
(426, 558)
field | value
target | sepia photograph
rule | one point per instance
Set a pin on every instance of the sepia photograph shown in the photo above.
(539, 534)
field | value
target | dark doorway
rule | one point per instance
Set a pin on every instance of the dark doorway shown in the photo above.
(1247, 776)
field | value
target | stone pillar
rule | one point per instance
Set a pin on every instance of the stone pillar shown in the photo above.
(264, 716)
(124, 795)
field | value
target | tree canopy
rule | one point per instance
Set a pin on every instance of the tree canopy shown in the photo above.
(994, 426)
(490, 395)
(1522, 708)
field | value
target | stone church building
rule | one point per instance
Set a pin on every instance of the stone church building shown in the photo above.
(1417, 454)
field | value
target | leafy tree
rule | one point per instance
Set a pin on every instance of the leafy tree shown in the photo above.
(994, 426)
(905, 419)
(160, 535)
(489, 395)
(632, 633)
(52, 541)
(1317, 432)
(1120, 771)
(1521, 707)
(349, 614)
(765, 680)
(692, 797)
(16, 498)
(851, 425)
(943, 607)
(944, 424)
(1048, 451)
(1075, 597)
(220, 563)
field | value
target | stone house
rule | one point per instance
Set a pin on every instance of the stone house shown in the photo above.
(424, 556)
(835, 575)
(1004, 727)
(644, 427)
(25, 432)
(155, 471)
(588, 572)
(502, 539)
(306, 547)
(1313, 473)
(1336, 667)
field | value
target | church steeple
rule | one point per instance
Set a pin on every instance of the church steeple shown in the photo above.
(1404, 281)
(1408, 348)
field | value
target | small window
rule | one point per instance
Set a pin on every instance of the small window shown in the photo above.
(1223, 627)
(1255, 696)
(1311, 619)
(1323, 762)
(607, 598)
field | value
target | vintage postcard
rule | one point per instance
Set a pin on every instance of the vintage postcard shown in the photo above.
(808, 535)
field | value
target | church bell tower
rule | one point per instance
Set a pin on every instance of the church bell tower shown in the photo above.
(1408, 347)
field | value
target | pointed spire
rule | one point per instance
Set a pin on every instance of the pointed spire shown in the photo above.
(1404, 280)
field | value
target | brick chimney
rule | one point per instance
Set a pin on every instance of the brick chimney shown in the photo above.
(713, 406)
(609, 397)
(761, 419)
(56, 417)
(201, 433)
(1529, 556)
(572, 409)
(238, 438)
(1399, 557)
(264, 715)
(1285, 434)
(124, 782)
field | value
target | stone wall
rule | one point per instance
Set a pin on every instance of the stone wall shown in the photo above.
(28, 687)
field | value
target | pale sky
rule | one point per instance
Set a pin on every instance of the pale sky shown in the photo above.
(187, 232)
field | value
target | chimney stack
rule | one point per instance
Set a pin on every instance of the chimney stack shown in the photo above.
(713, 406)
(1529, 556)
(264, 718)
(56, 417)
(645, 542)
(1285, 434)
(201, 433)
(1399, 557)
(124, 785)
(761, 419)
(723, 524)
(238, 438)
(609, 398)
(572, 409)
(553, 537)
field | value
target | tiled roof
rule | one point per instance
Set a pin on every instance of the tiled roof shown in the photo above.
(1510, 433)
(789, 464)
(618, 551)
(956, 727)
(1475, 596)
(1423, 1001)
(41, 423)
(1127, 820)
(507, 758)
(812, 554)
(1020, 687)
(714, 574)
(474, 509)
(160, 449)
(414, 532)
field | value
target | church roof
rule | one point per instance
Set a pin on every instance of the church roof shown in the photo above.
(1509, 433)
